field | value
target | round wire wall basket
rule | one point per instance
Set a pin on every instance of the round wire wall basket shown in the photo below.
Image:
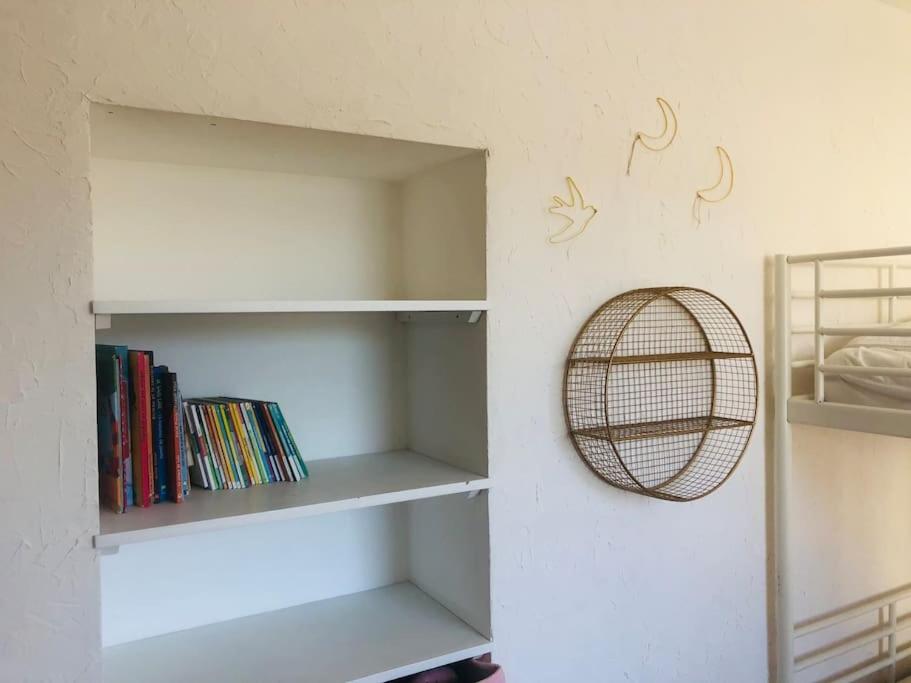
(660, 392)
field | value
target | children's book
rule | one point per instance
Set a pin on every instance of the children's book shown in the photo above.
(141, 427)
(123, 367)
(159, 446)
(173, 438)
(110, 449)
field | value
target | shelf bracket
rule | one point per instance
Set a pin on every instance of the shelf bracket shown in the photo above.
(102, 321)
(470, 317)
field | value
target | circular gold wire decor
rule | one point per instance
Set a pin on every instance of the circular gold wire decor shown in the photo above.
(660, 392)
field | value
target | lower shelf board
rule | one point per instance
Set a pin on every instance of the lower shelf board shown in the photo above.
(368, 637)
(334, 485)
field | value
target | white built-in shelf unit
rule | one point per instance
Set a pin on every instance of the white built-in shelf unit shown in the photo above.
(343, 276)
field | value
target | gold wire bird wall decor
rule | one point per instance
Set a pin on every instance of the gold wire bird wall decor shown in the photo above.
(575, 212)
(721, 190)
(656, 143)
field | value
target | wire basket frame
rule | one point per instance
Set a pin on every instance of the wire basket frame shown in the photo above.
(660, 392)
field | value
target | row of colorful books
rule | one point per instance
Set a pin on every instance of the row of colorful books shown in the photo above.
(238, 442)
(152, 444)
(142, 455)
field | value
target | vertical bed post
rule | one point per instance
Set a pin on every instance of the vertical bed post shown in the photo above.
(784, 629)
(893, 636)
(819, 379)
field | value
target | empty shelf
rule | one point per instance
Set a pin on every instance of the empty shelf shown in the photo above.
(334, 485)
(367, 637)
(663, 428)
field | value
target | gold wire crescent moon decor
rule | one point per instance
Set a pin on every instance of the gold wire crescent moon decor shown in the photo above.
(575, 212)
(656, 143)
(721, 190)
(660, 392)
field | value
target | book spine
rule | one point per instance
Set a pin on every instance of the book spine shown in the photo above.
(183, 442)
(269, 446)
(255, 447)
(243, 442)
(210, 448)
(135, 437)
(149, 452)
(198, 474)
(285, 447)
(231, 438)
(277, 453)
(125, 432)
(141, 427)
(286, 431)
(243, 437)
(110, 464)
(257, 438)
(174, 438)
(159, 441)
(221, 447)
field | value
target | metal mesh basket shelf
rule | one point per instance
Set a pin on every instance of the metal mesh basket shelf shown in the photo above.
(660, 392)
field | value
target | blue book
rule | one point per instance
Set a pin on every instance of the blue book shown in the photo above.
(159, 433)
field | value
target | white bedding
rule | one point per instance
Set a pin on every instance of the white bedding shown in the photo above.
(872, 390)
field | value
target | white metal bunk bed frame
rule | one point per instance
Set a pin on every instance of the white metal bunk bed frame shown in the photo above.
(814, 410)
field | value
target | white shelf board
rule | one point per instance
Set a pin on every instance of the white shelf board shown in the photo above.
(110, 307)
(855, 418)
(368, 637)
(334, 485)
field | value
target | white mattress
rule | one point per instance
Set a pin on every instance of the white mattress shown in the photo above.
(872, 352)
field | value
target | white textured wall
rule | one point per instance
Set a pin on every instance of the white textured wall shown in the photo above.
(809, 97)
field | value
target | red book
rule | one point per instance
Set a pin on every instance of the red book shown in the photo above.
(141, 427)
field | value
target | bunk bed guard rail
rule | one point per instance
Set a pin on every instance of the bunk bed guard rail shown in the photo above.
(814, 410)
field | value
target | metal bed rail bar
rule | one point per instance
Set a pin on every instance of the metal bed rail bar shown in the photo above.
(850, 255)
(863, 371)
(870, 293)
(876, 331)
(886, 632)
(827, 369)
